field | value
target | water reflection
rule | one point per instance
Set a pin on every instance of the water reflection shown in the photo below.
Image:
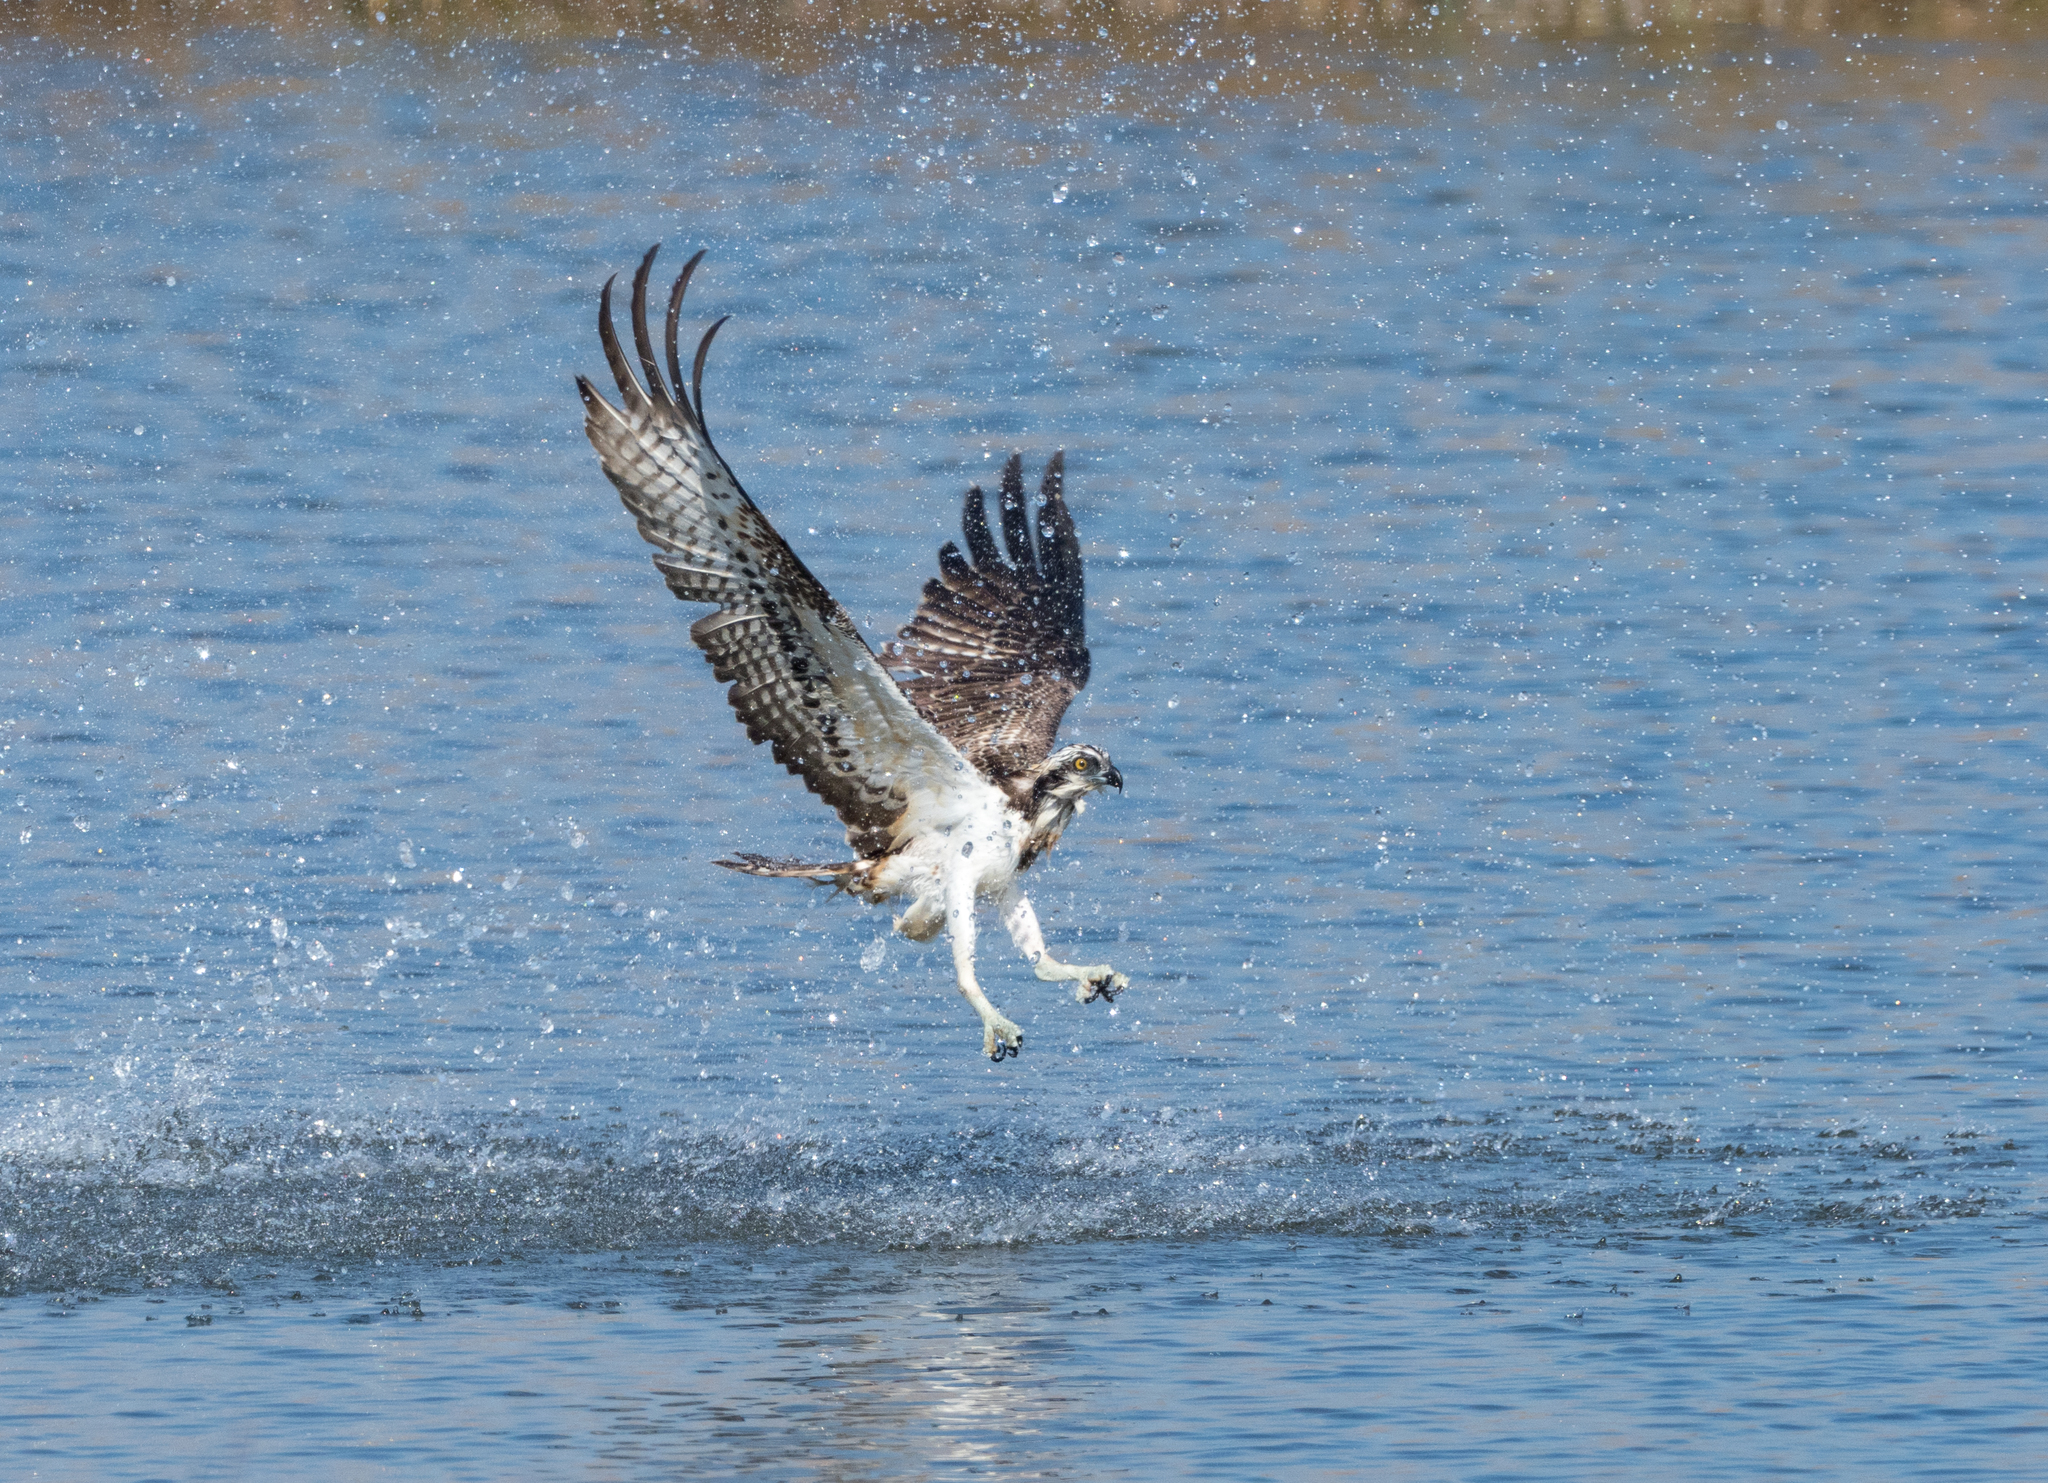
(1151, 1359)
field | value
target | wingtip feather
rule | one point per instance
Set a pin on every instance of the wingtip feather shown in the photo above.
(1052, 487)
(1016, 526)
(675, 314)
(608, 335)
(643, 342)
(974, 526)
(697, 373)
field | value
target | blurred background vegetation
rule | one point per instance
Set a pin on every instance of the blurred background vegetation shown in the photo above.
(991, 30)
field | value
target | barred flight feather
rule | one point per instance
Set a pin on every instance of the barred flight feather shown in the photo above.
(802, 678)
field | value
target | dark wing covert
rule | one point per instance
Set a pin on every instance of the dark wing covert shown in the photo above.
(998, 648)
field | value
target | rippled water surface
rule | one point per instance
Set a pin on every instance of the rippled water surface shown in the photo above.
(1566, 560)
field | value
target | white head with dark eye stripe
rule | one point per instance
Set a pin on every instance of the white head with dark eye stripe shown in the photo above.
(1072, 773)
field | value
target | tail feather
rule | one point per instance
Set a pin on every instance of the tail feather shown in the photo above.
(840, 874)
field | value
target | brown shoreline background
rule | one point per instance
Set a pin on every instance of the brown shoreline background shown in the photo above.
(1710, 82)
(993, 31)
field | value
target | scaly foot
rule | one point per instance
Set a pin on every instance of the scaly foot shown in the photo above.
(1100, 982)
(1001, 1040)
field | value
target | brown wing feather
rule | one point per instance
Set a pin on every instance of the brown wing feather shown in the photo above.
(998, 648)
(803, 679)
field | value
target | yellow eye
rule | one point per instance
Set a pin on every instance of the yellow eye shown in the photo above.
(1080, 764)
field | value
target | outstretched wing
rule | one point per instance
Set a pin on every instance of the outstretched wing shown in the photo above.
(998, 648)
(802, 677)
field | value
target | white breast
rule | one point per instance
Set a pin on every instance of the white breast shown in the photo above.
(969, 829)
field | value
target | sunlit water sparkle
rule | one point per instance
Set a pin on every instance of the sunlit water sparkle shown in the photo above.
(1564, 586)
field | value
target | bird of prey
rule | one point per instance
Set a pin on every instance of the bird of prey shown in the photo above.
(937, 755)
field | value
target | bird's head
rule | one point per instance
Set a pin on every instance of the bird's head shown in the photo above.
(1072, 773)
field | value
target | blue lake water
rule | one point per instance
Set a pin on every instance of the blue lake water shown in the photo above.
(1567, 558)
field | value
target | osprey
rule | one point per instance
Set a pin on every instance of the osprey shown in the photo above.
(946, 778)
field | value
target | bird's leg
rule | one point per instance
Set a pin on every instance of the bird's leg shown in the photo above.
(1099, 981)
(999, 1037)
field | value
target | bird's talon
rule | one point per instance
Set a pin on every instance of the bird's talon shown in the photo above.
(1105, 988)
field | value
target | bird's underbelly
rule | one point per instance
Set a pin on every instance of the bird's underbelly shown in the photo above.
(933, 867)
(920, 874)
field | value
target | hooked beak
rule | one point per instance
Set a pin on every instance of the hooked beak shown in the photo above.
(1114, 779)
